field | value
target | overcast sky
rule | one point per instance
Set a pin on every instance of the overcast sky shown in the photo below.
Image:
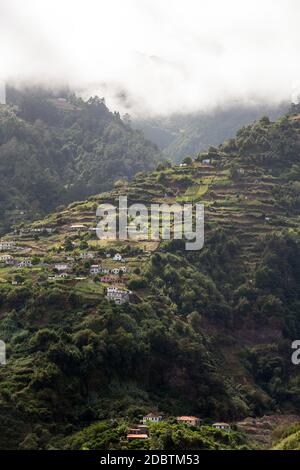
(156, 56)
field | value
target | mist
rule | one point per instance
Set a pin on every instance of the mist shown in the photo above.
(155, 57)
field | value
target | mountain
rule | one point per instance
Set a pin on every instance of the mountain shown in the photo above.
(205, 333)
(56, 148)
(184, 135)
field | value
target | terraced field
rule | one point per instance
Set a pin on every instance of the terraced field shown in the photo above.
(206, 333)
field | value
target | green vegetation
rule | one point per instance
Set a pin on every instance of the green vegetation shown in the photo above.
(289, 439)
(206, 333)
(162, 436)
(56, 149)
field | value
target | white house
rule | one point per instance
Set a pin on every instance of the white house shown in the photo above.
(117, 257)
(76, 227)
(86, 255)
(62, 267)
(25, 264)
(62, 275)
(152, 418)
(42, 229)
(224, 426)
(117, 295)
(95, 269)
(117, 271)
(5, 258)
(206, 161)
(58, 276)
(6, 245)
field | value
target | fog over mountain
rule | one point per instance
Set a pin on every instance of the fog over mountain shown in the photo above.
(153, 57)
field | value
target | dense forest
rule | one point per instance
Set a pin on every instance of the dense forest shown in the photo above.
(207, 333)
(56, 148)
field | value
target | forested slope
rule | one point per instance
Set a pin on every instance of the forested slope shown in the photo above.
(207, 333)
(56, 149)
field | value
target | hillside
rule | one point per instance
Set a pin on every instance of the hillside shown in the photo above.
(204, 333)
(289, 439)
(56, 148)
(184, 135)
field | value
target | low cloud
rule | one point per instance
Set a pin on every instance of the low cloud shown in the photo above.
(156, 57)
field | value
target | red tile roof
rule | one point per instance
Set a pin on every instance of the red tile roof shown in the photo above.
(188, 418)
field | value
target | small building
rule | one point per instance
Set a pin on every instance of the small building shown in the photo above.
(117, 295)
(135, 433)
(152, 418)
(7, 245)
(206, 161)
(5, 258)
(86, 255)
(58, 276)
(117, 271)
(140, 432)
(190, 420)
(143, 428)
(95, 269)
(76, 227)
(224, 426)
(132, 436)
(117, 257)
(62, 275)
(25, 264)
(62, 267)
